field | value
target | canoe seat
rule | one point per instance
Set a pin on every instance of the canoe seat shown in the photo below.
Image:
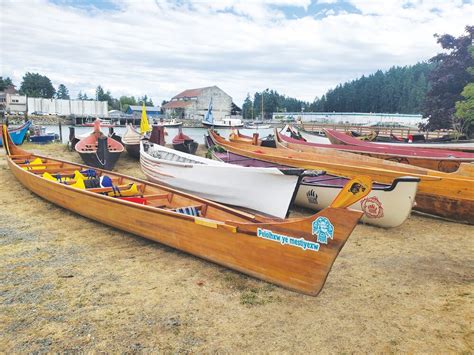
(195, 211)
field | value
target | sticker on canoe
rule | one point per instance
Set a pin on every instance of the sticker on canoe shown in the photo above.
(372, 207)
(287, 240)
(323, 228)
(312, 197)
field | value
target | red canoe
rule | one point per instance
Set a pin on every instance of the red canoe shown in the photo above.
(442, 160)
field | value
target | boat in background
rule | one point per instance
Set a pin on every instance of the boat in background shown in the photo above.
(131, 141)
(18, 134)
(441, 160)
(447, 195)
(98, 150)
(209, 120)
(103, 123)
(40, 136)
(236, 136)
(387, 205)
(268, 191)
(295, 253)
(184, 143)
(169, 124)
(132, 137)
(257, 125)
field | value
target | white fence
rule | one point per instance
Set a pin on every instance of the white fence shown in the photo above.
(68, 107)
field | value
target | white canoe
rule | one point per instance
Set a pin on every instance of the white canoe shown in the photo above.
(267, 190)
(386, 206)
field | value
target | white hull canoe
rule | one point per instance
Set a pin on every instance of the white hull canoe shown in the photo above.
(260, 189)
(386, 207)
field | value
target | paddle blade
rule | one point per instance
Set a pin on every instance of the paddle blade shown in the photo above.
(356, 189)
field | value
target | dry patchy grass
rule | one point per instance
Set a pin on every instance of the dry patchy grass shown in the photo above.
(71, 284)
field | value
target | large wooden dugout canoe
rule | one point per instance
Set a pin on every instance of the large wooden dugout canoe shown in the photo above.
(294, 253)
(439, 159)
(448, 195)
(98, 150)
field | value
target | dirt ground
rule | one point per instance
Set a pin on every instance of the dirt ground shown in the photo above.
(71, 284)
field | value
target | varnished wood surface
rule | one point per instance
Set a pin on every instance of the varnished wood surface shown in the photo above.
(452, 192)
(447, 165)
(223, 235)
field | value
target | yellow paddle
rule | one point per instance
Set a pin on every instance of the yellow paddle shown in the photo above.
(356, 189)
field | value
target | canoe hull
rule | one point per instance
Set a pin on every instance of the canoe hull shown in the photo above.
(186, 147)
(48, 138)
(133, 150)
(387, 208)
(107, 162)
(260, 189)
(444, 161)
(18, 134)
(294, 268)
(453, 192)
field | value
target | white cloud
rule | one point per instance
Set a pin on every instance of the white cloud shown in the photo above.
(160, 48)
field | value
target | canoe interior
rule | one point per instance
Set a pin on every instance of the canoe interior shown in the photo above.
(322, 179)
(294, 253)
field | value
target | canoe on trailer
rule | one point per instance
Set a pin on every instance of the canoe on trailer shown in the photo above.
(387, 205)
(18, 134)
(294, 253)
(448, 195)
(131, 141)
(441, 160)
(98, 150)
(265, 190)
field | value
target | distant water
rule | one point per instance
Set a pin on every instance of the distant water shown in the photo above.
(195, 133)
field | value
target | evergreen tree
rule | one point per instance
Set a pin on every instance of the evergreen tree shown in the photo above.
(247, 108)
(146, 100)
(398, 90)
(63, 92)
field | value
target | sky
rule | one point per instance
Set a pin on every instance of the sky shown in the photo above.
(300, 48)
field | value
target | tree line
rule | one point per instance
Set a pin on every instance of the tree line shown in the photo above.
(398, 90)
(441, 89)
(37, 85)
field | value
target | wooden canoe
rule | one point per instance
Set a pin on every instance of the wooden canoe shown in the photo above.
(387, 205)
(131, 141)
(448, 195)
(184, 143)
(439, 159)
(98, 150)
(294, 253)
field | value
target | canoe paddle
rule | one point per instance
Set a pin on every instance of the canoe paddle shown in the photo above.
(356, 189)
